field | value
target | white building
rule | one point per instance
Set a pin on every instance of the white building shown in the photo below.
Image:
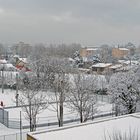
(95, 130)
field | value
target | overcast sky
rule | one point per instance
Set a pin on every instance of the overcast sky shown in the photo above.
(89, 22)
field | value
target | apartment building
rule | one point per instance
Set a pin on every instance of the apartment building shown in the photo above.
(88, 51)
(120, 52)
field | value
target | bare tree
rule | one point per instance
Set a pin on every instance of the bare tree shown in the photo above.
(62, 50)
(42, 66)
(32, 100)
(105, 53)
(81, 95)
(60, 87)
(22, 49)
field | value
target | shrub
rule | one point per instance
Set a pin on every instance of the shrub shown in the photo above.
(132, 135)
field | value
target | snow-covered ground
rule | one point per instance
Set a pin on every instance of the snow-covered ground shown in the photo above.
(5, 131)
(49, 114)
(8, 97)
(46, 116)
(11, 134)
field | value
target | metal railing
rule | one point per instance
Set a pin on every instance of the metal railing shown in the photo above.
(15, 136)
(4, 117)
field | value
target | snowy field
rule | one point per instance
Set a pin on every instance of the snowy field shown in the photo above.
(8, 97)
(48, 115)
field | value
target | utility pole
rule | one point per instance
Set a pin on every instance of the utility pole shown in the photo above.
(92, 110)
(2, 79)
(20, 127)
(17, 95)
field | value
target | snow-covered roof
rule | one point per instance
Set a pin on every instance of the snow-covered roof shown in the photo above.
(124, 49)
(16, 56)
(93, 130)
(83, 69)
(128, 62)
(9, 65)
(71, 59)
(101, 65)
(91, 49)
(115, 66)
(121, 61)
(3, 61)
(23, 60)
(77, 58)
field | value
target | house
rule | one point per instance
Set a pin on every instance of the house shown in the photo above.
(128, 62)
(120, 52)
(100, 67)
(96, 130)
(89, 56)
(6, 66)
(115, 68)
(87, 52)
(21, 63)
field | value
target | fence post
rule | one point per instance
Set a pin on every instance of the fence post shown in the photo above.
(20, 127)
(3, 115)
(16, 137)
(7, 119)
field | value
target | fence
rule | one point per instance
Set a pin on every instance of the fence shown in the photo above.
(5, 120)
(46, 123)
(17, 136)
(4, 117)
(103, 98)
(14, 124)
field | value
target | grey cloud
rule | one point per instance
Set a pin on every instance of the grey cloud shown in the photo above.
(69, 20)
(117, 11)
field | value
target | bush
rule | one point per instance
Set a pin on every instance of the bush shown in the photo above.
(133, 135)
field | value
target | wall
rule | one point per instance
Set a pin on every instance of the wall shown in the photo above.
(30, 137)
(117, 53)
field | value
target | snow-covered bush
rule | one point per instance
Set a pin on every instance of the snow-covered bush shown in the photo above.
(124, 90)
(117, 135)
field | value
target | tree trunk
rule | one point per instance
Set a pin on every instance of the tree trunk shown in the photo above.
(61, 110)
(30, 117)
(34, 123)
(81, 116)
(131, 109)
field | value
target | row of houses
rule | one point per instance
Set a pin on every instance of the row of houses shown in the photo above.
(102, 68)
(117, 52)
(14, 64)
(101, 60)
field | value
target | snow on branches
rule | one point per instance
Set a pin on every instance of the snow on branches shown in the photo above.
(122, 87)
